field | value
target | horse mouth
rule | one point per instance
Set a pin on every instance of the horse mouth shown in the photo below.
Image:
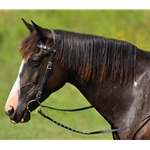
(22, 115)
(23, 119)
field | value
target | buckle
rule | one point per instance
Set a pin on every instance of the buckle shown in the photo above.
(49, 66)
(38, 95)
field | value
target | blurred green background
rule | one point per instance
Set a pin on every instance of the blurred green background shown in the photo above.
(130, 25)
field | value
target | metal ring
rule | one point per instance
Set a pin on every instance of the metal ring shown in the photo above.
(33, 112)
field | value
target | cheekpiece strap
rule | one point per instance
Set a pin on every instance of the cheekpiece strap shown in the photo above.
(53, 35)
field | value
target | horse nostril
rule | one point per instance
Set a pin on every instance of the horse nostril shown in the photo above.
(10, 111)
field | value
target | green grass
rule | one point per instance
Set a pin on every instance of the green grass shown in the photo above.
(129, 25)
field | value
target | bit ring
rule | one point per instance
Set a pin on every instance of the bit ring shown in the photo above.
(32, 112)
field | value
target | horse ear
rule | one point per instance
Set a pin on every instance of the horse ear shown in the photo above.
(29, 26)
(41, 32)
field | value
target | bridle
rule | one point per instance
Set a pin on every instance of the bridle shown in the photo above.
(48, 69)
(39, 94)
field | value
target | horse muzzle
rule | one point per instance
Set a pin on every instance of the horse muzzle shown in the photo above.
(16, 117)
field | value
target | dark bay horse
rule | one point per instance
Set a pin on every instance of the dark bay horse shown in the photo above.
(113, 75)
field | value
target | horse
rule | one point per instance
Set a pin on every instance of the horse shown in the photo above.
(113, 75)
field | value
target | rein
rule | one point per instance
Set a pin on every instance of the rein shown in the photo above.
(39, 93)
(147, 119)
(87, 133)
(67, 110)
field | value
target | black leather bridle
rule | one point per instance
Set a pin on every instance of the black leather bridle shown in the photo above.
(48, 69)
(49, 66)
(39, 94)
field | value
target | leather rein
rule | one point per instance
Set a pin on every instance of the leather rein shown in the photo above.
(39, 93)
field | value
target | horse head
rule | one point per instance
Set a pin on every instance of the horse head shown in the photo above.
(35, 50)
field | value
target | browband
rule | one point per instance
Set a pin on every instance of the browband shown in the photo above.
(44, 46)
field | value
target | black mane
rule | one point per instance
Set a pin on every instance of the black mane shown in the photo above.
(93, 56)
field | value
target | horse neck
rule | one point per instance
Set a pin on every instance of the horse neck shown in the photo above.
(145, 55)
(106, 97)
(116, 102)
(97, 94)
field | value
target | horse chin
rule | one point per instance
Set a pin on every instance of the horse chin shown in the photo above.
(26, 117)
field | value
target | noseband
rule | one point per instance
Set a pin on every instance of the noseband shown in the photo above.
(39, 94)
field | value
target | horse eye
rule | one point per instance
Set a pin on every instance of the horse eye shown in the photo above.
(34, 62)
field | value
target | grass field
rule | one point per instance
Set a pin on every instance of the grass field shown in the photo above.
(130, 25)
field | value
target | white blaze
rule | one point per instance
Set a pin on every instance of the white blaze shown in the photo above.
(12, 100)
